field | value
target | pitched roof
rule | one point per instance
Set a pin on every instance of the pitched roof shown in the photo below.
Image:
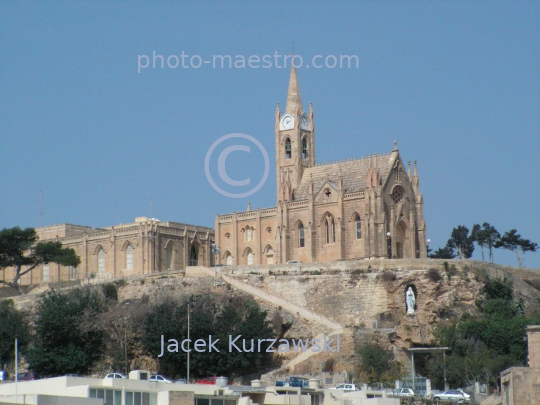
(354, 173)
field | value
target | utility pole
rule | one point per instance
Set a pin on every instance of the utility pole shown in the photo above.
(16, 369)
(188, 344)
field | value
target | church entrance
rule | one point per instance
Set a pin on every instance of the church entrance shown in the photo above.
(402, 240)
(270, 256)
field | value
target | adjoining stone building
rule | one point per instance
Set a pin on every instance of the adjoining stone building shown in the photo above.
(358, 208)
(521, 385)
(143, 247)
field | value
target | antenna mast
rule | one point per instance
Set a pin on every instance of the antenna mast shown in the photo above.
(41, 206)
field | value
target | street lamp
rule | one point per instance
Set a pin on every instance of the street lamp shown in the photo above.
(389, 243)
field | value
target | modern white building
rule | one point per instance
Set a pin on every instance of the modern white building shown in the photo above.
(96, 391)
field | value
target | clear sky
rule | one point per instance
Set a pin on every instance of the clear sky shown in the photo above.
(457, 84)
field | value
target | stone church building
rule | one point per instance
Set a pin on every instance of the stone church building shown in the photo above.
(143, 247)
(352, 209)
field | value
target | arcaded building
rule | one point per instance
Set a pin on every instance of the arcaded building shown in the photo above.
(143, 247)
(359, 208)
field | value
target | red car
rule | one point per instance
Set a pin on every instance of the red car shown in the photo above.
(207, 380)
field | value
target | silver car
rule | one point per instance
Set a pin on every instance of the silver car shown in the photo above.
(403, 392)
(452, 395)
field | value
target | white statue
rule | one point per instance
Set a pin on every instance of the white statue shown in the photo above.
(410, 300)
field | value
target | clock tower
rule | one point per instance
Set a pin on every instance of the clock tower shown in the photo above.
(295, 141)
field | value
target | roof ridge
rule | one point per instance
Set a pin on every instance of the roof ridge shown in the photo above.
(350, 159)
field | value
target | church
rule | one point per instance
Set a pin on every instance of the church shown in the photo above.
(366, 208)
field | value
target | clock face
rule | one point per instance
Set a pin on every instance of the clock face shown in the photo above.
(304, 122)
(287, 122)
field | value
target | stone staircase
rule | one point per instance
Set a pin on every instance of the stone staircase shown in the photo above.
(306, 314)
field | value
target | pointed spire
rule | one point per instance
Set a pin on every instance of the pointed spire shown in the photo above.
(415, 170)
(409, 169)
(294, 100)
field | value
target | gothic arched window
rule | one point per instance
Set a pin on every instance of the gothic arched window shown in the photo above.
(46, 272)
(301, 240)
(304, 148)
(168, 256)
(288, 148)
(358, 227)
(129, 257)
(327, 231)
(101, 260)
(333, 231)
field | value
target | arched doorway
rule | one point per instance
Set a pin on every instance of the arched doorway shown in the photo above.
(402, 240)
(168, 256)
(193, 259)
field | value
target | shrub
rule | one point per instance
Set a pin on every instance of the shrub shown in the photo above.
(121, 283)
(450, 271)
(110, 292)
(434, 275)
(387, 276)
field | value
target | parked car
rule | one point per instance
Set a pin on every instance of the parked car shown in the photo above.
(116, 375)
(293, 382)
(159, 378)
(181, 381)
(403, 392)
(453, 395)
(206, 381)
(72, 375)
(347, 387)
(294, 262)
(4, 375)
(28, 376)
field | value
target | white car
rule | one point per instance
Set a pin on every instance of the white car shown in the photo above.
(159, 378)
(347, 387)
(116, 375)
(403, 392)
(452, 395)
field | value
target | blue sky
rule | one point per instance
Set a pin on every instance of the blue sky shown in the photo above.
(457, 84)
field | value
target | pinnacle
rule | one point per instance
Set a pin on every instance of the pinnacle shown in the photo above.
(294, 100)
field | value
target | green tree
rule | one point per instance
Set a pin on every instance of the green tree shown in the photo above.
(18, 249)
(63, 342)
(209, 317)
(13, 324)
(446, 252)
(513, 241)
(478, 237)
(484, 344)
(462, 241)
(376, 360)
(489, 236)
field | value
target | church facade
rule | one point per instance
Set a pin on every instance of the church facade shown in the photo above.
(353, 209)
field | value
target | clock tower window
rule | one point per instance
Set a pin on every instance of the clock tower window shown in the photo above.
(304, 148)
(288, 148)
